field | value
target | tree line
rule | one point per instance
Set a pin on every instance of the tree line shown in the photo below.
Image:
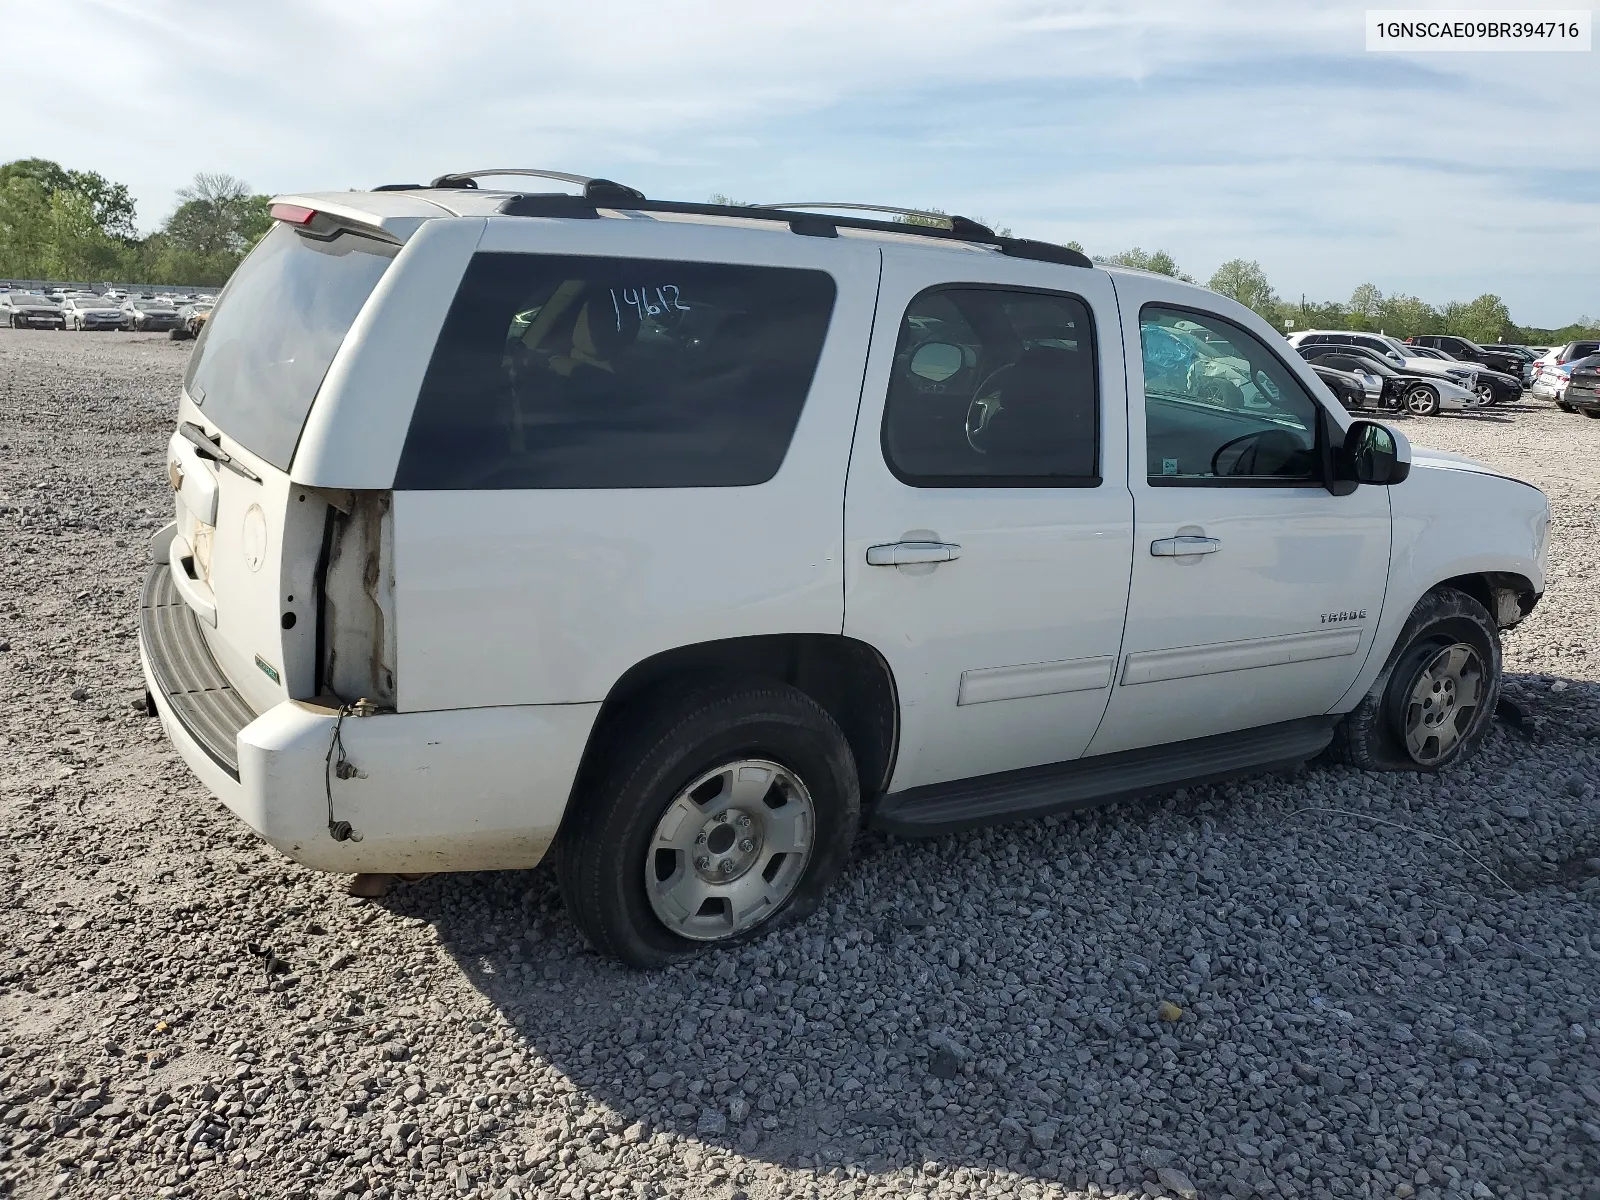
(78, 226)
(1486, 320)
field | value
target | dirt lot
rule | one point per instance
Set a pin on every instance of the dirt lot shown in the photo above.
(1390, 984)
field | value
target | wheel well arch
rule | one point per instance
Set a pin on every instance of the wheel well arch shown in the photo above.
(1507, 596)
(849, 679)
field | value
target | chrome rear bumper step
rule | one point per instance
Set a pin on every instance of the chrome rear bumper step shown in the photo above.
(192, 685)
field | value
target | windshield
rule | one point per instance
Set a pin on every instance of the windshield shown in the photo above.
(30, 298)
(151, 305)
(264, 350)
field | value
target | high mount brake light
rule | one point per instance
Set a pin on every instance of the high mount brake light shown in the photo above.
(293, 214)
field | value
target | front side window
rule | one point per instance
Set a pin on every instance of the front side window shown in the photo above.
(1220, 407)
(993, 387)
(585, 372)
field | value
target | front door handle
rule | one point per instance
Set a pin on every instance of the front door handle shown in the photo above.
(1174, 547)
(904, 554)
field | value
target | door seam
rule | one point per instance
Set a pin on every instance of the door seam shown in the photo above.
(1133, 507)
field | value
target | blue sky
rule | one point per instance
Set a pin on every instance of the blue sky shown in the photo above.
(1211, 130)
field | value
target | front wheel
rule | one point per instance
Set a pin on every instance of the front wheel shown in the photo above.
(722, 812)
(1564, 406)
(1485, 394)
(1434, 701)
(1592, 413)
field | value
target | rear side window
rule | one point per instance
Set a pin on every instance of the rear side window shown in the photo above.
(585, 372)
(992, 387)
(265, 348)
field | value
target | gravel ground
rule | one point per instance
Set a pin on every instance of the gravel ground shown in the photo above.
(1399, 998)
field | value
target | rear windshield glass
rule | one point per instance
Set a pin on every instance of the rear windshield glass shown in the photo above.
(569, 372)
(263, 353)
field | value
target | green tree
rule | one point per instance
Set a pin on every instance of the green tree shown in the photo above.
(1247, 283)
(1486, 319)
(1158, 261)
(1405, 316)
(1366, 300)
(110, 204)
(217, 215)
(25, 228)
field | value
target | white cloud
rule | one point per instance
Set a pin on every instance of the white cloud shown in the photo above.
(1212, 129)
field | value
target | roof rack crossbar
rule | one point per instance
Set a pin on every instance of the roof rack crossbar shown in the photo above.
(593, 188)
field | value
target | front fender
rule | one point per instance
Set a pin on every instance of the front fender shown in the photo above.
(1453, 518)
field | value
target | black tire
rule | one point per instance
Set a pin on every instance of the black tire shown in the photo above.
(654, 753)
(175, 335)
(1564, 406)
(1593, 414)
(1372, 736)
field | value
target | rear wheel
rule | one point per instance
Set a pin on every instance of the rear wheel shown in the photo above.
(1422, 401)
(719, 813)
(1564, 406)
(1433, 703)
(1592, 413)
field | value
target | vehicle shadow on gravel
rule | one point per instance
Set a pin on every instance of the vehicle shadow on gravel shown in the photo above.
(1339, 988)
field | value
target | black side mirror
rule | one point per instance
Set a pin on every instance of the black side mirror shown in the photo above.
(1371, 453)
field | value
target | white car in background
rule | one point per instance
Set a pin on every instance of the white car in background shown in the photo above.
(679, 541)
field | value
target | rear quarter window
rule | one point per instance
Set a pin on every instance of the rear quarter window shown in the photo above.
(590, 372)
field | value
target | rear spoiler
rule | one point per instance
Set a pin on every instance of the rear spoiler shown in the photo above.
(323, 214)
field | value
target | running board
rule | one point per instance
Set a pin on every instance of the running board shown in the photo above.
(1085, 782)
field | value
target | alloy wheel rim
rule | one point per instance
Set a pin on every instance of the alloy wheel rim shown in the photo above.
(1484, 393)
(1441, 703)
(730, 850)
(1419, 400)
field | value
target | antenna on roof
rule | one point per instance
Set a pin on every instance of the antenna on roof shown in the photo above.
(962, 227)
(598, 190)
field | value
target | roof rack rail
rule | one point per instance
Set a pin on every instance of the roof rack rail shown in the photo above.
(607, 191)
(962, 227)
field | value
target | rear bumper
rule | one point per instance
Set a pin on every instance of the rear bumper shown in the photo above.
(457, 790)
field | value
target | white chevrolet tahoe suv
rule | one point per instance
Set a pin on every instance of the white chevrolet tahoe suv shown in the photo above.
(679, 542)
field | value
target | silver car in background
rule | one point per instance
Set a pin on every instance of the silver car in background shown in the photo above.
(91, 312)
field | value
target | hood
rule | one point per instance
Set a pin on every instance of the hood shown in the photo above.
(1440, 460)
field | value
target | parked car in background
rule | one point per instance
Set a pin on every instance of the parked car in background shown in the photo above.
(1551, 383)
(1347, 387)
(191, 319)
(145, 316)
(1524, 356)
(1491, 387)
(1466, 350)
(92, 313)
(1419, 394)
(1375, 342)
(1583, 387)
(1573, 351)
(29, 310)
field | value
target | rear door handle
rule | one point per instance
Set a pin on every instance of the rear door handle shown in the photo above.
(1174, 547)
(903, 554)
